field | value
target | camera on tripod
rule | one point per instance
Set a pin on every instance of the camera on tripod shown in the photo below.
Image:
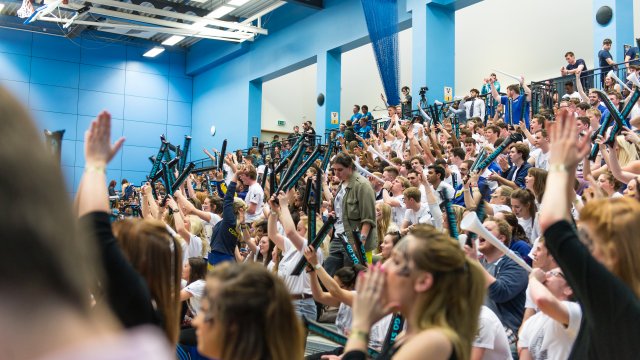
(423, 90)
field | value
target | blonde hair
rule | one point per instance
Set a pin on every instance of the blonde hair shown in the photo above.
(197, 229)
(304, 220)
(382, 225)
(628, 151)
(254, 307)
(616, 225)
(453, 302)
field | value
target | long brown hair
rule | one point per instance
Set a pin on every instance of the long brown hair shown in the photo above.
(616, 224)
(254, 307)
(453, 302)
(539, 182)
(157, 256)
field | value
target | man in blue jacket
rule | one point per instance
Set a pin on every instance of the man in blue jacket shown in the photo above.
(506, 280)
(514, 176)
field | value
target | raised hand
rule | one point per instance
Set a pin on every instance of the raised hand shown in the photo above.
(565, 149)
(98, 149)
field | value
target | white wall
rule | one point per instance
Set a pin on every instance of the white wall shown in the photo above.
(360, 80)
(535, 35)
(291, 97)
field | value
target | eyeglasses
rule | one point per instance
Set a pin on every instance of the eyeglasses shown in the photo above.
(556, 274)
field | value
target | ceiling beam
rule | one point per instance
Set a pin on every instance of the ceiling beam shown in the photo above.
(169, 24)
(176, 15)
(153, 29)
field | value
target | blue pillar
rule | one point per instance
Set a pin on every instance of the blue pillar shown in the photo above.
(433, 30)
(328, 83)
(254, 123)
(418, 11)
(619, 29)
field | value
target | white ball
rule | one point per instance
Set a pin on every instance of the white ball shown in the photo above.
(213, 130)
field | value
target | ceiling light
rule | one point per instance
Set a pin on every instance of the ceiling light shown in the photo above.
(238, 2)
(220, 12)
(173, 40)
(1, 7)
(154, 52)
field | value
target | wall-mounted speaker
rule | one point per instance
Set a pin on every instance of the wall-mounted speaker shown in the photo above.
(320, 99)
(604, 15)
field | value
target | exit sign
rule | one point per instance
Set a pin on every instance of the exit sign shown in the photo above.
(281, 122)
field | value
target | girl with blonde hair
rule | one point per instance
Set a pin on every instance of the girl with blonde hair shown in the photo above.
(434, 285)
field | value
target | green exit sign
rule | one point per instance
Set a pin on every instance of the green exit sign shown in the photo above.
(281, 122)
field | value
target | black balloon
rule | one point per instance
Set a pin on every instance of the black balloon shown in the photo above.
(604, 15)
(320, 99)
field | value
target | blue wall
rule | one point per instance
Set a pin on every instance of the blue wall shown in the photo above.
(65, 83)
(221, 93)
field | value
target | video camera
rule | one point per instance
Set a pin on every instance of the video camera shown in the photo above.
(423, 90)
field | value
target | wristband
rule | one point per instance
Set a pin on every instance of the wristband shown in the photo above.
(557, 168)
(317, 266)
(362, 335)
(89, 168)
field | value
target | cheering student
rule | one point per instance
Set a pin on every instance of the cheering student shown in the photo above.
(341, 293)
(601, 261)
(227, 232)
(550, 333)
(437, 289)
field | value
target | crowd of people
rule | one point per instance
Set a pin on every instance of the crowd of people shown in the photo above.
(209, 270)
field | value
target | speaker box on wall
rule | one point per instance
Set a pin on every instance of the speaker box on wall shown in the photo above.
(604, 15)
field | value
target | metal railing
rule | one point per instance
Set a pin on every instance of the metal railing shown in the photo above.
(547, 93)
(206, 164)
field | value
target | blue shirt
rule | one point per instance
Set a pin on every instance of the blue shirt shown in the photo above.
(576, 64)
(355, 117)
(603, 55)
(363, 131)
(224, 237)
(367, 116)
(516, 107)
(634, 55)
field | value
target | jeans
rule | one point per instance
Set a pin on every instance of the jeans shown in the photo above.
(337, 258)
(306, 308)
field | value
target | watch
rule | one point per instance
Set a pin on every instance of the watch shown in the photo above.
(173, 211)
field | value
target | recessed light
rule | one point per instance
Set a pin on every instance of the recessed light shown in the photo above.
(220, 12)
(154, 52)
(173, 40)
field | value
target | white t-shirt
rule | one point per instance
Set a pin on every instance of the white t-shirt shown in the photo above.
(498, 208)
(448, 190)
(337, 206)
(548, 339)
(532, 230)
(491, 337)
(230, 173)
(542, 159)
(290, 256)
(255, 195)
(422, 216)
(397, 212)
(196, 289)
